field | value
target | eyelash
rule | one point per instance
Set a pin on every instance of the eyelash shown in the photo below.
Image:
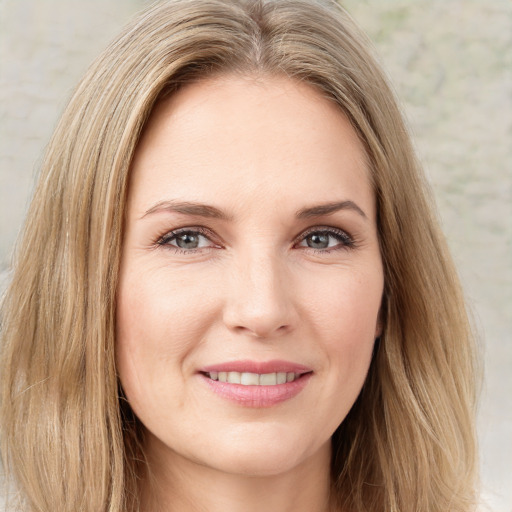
(346, 241)
(172, 235)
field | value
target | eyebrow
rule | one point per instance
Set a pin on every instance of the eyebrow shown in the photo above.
(188, 208)
(330, 208)
(211, 212)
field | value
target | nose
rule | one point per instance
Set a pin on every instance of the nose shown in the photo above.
(260, 301)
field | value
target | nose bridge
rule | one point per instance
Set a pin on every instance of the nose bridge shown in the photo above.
(260, 301)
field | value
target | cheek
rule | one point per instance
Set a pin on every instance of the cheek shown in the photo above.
(159, 313)
(347, 304)
(159, 321)
(345, 316)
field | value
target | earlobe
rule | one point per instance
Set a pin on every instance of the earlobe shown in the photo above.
(379, 327)
(378, 330)
(381, 316)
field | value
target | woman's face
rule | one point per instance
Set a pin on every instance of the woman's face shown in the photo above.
(251, 277)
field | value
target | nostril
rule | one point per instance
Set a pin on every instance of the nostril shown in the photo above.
(262, 332)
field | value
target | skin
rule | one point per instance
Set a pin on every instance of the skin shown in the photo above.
(256, 287)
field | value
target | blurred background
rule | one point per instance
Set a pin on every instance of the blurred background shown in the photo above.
(451, 64)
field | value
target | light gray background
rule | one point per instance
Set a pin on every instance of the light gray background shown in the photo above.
(451, 63)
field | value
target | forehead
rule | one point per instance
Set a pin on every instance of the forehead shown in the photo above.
(230, 137)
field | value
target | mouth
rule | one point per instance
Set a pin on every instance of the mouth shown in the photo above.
(256, 384)
(254, 379)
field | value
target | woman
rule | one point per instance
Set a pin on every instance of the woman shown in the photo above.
(231, 292)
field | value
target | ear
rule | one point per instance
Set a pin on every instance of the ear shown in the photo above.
(379, 327)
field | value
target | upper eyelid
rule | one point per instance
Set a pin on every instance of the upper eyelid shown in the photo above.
(323, 229)
(192, 229)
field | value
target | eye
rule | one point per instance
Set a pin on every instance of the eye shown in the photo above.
(326, 239)
(186, 240)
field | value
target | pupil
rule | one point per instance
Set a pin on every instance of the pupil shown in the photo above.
(187, 241)
(319, 241)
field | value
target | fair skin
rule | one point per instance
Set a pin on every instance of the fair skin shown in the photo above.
(280, 274)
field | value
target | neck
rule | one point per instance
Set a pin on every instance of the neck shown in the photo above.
(176, 483)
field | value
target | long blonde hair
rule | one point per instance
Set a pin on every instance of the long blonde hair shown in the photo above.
(67, 437)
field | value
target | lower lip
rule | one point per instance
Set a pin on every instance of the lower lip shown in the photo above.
(258, 396)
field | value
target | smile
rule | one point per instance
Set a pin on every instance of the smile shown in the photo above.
(254, 379)
(256, 384)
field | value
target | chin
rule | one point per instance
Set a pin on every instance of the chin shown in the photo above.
(263, 455)
(262, 466)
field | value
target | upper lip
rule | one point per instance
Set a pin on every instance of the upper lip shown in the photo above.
(247, 366)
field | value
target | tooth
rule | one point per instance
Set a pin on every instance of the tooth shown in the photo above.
(268, 379)
(253, 379)
(234, 377)
(249, 379)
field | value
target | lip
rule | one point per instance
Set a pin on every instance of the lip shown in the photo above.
(257, 396)
(273, 366)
